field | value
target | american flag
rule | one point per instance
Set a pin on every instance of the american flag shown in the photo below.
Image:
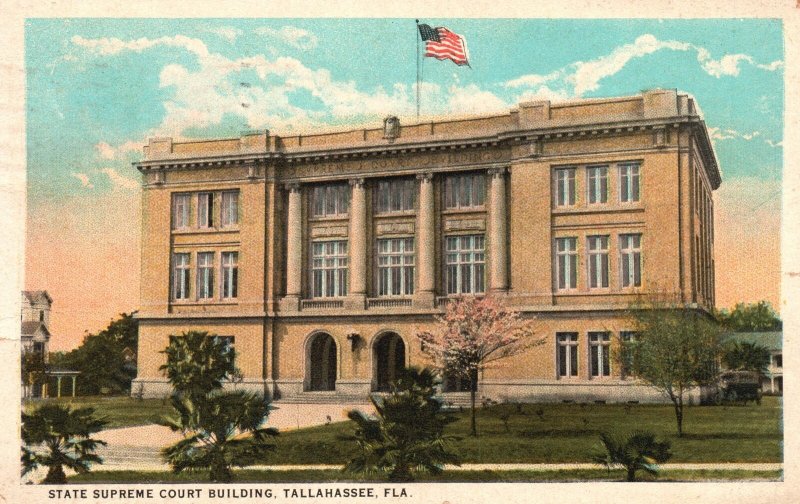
(441, 43)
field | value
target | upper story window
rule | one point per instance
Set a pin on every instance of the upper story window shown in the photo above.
(567, 354)
(629, 182)
(465, 263)
(597, 184)
(230, 274)
(598, 261)
(331, 199)
(565, 187)
(630, 247)
(395, 195)
(230, 208)
(205, 275)
(329, 269)
(567, 263)
(205, 210)
(465, 190)
(180, 275)
(41, 315)
(180, 211)
(396, 267)
(599, 354)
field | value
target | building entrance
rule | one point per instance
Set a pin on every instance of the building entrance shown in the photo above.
(321, 367)
(390, 359)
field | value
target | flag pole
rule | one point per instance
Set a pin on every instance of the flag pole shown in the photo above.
(416, 37)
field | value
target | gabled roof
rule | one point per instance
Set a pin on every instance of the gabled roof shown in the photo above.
(37, 296)
(772, 340)
(30, 327)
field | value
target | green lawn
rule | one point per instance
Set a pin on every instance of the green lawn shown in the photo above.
(569, 432)
(120, 411)
(329, 476)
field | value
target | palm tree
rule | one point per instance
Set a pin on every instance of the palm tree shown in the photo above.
(66, 437)
(747, 356)
(639, 451)
(406, 435)
(221, 430)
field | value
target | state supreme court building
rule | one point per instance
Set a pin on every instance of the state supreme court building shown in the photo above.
(319, 257)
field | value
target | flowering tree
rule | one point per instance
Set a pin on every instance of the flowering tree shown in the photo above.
(473, 333)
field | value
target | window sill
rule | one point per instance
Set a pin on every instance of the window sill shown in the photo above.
(204, 302)
(466, 210)
(191, 231)
(399, 213)
(328, 218)
(598, 208)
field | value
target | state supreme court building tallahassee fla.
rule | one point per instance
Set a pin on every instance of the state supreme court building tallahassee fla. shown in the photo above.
(319, 257)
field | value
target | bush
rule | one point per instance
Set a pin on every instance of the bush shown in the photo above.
(639, 451)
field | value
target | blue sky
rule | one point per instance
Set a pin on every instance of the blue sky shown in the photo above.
(98, 88)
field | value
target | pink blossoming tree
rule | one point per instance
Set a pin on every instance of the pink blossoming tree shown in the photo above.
(473, 333)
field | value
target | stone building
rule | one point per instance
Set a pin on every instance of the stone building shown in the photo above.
(319, 256)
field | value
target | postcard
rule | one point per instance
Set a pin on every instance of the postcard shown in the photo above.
(410, 253)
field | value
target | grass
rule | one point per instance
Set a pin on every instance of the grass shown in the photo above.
(552, 433)
(119, 411)
(332, 476)
(537, 433)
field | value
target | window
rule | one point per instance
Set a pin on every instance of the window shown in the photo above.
(465, 261)
(331, 199)
(567, 263)
(629, 182)
(230, 274)
(180, 211)
(180, 276)
(598, 261)
(465, 190)
(565, 187)
(567, 354)
(631, 260)
(230, 208)
(329, 269)
(41, 315)
(395, 195)
(777, 360)
(628, 352)
(597, 184)
(396, 267)
(599, 344)
(205, 275)
(205, 210)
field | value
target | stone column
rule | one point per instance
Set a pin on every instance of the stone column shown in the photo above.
(294, 248)
(358, 244)
(425, 243)
(498, 241)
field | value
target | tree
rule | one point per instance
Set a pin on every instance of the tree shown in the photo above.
(473, 333)
(221, 429)
(66, 436)
(407, 433)
(746, 356)
(750, 317)
(637, 452)
(214, 430)
(675, 350)
(33, 368)
(100, 358)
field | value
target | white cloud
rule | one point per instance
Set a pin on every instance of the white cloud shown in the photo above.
(84, 178)
(109, 46)
(281, 93)
(729, 134)
(298, 38)
(772, 143)
(120, 181)
(581, 77)
(227, 32)
(108, 151)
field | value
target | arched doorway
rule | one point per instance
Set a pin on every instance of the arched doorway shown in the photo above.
(321, 367)
(390, 359)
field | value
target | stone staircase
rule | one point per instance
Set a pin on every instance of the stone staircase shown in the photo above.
(323, 398)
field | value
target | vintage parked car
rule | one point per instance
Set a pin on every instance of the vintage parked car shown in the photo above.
(740, 387)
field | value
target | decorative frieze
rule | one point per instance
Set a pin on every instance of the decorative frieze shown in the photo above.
(465, 225)
(395, 228)
(328, 231)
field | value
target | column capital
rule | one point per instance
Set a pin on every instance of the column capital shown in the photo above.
(292, 186)
(357, 183)
(425, 176)
(497, 172)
